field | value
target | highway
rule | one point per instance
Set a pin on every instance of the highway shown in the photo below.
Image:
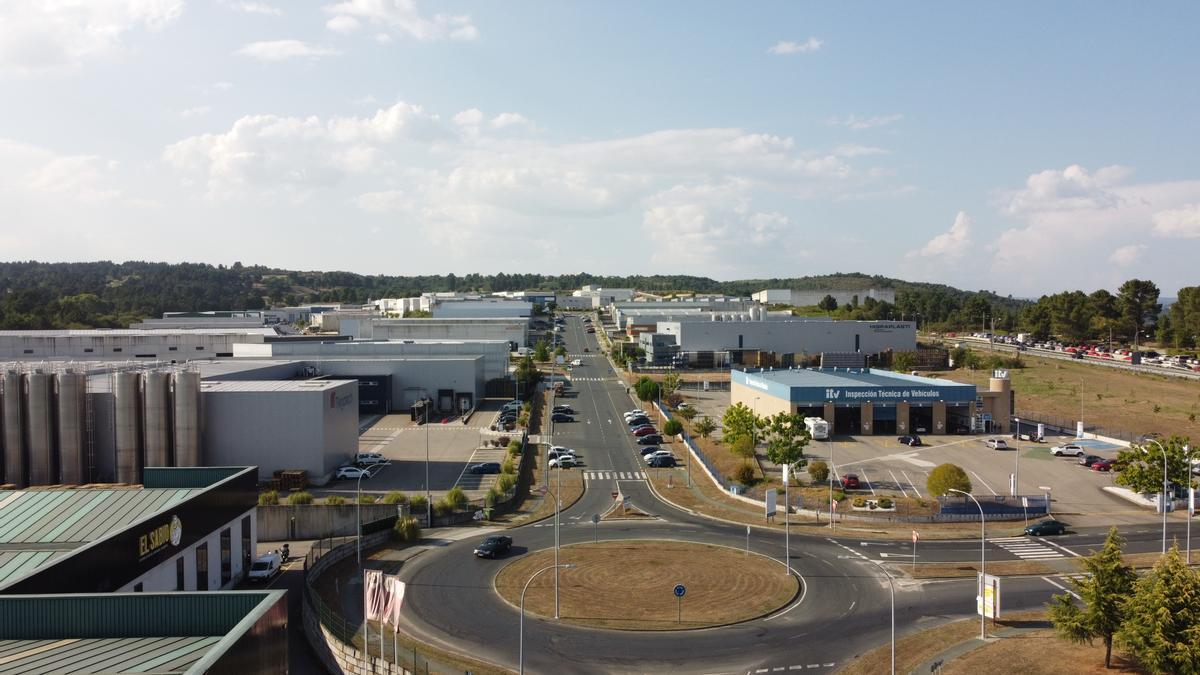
(843, 609)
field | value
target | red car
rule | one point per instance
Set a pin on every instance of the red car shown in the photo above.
(645, 431)
(850, 481)
(1102, 465)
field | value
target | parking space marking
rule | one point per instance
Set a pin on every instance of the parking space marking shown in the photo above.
(897, 482)
(911, 484)
(1061, 587)
(868, 480)
(981, 480)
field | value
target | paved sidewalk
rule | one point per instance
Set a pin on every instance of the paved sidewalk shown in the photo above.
(967, 646)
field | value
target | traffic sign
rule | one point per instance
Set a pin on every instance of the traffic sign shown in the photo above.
(915, 536)
(595, 518)
(679, 590)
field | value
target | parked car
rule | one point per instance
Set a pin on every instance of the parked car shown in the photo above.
(659, 453)
(1046, 527)
(1103, 465)
(560, 450)
(997, 443)
(850, 481)
(351, 473)
(648, 449)
(563, 408)
(650, 439)
(265, 566)
(644, 431)
(369, 459)
(576, 362)
(563, 462)
(484, 468)
(1068, 449)
(635, 413)
(911, 441)
(637, 421)
(493, 545)
(1089, 460)
(662, 462)
(561, 417)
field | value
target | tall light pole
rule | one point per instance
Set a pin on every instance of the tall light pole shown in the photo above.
(1187, 463)
(1164, 492)
(892, 589)
(1017, 458)
(521, 639)
(428, 499)
(358, 515)
(982, 559)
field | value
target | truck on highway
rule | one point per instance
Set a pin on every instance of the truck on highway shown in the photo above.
(817, 428)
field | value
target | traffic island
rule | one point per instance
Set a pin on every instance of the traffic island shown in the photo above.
(632, 585)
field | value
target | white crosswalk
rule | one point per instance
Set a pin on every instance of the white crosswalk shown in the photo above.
(1027, 548)
(593, 379)
(614, 475)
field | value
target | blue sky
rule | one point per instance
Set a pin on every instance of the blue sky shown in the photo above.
(1025, 148)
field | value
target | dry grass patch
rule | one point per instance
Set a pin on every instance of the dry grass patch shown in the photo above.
(1038, 652)
(724, 585)
(1004, 568)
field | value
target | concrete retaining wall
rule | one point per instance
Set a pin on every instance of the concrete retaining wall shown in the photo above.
(313, 521)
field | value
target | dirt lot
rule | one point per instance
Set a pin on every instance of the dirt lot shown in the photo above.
(1112, 398)
(600, 592)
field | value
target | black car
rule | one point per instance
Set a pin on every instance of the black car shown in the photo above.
(638, 421)
(1089, 460)
(648, 449)
(485, 467)
(650, 439)
(564, 409)
(493, 546)
(1046, 527)
(561, 417)
(911, 441)
(662, 462)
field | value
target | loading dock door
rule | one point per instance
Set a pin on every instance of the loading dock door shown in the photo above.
(847, 420)
(920, 420)
(885, 419)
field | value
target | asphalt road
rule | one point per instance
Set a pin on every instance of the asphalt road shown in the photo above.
(843, 609)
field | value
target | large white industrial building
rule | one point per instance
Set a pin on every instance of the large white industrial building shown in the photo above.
(486, 308)
(785, 296)
(514, 331)
(799, 336)
(121, 343)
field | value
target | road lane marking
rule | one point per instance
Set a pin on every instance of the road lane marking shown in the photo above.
(989, 487)
(1061, 548)
(897, 482)
(1061, 587)
(868, 480)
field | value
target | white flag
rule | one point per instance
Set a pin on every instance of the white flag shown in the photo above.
(374, 595)
(395, 599)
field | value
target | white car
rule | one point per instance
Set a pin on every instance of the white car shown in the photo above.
(577, 362)
(562, 462)
(635, 413)
(352, 473)
(369, 459)
(1068, 449)
(560, 450)
(997, 443)
(657, 453)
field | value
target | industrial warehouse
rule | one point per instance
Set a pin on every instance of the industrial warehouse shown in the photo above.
(870, 401)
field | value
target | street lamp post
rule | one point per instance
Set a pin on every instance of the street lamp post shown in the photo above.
(1187, 462)
(521, 639)
(892, 589)
(428, 499)
(358, 547)
(982, 558)
(1017, 459)
(1164, 492)
(832, 471)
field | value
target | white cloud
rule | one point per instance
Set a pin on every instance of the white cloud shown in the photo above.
(385, 201)
(1071, 189)
(858, 123)
(42, 174)
(282, 50)
(402, 17)
(1126, 256)
(1181, 223)
(35, 34)
(471, 117)
(510, 119)
(812, 44)
(342, 24)
(951, 245)
(253, 8)
(195, 111)
(852, 150)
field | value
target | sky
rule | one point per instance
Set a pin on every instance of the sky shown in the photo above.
(1023, 147)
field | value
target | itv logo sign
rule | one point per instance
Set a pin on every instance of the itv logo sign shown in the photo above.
(832, 393)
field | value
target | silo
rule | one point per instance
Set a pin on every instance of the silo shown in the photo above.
(13, 441)
(187, 418)
(157, 417)
(127, 423)
(39, 427)
(72, 427)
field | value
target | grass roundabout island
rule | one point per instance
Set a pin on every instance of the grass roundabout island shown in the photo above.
(628, 585)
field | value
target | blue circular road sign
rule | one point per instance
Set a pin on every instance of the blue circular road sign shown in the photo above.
(679, 590)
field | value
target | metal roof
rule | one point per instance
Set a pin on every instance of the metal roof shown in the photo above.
(209, 386)
(848, 377)
(104, 655)
(135, 332)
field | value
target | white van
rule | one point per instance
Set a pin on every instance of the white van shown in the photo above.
(266, 566)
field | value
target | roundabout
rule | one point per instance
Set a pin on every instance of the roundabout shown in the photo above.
(629, 585)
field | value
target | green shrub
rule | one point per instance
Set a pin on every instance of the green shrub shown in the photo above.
(508, 466)
(366, 499)
(819, 471)
(457, 498)
(885, 503)
(506, 481)
(838, 495)
(268, 498)
(298, 498)
(744, 474)
(395, 497)
(687, 413)
(860, 502)
(514, 448)
(418, 503)
(334, 500)
(945, 477)
(672, 428)
(442, 507)
(407, 529)
(494, 495)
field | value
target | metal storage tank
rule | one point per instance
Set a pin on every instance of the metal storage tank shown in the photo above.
(72, 427)
(13, 440)
(39, 429)
(187, 418)
(127, 423)
(157, 417)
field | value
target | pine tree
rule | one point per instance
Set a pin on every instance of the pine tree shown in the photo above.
(1105, 592)
(1162, 618)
